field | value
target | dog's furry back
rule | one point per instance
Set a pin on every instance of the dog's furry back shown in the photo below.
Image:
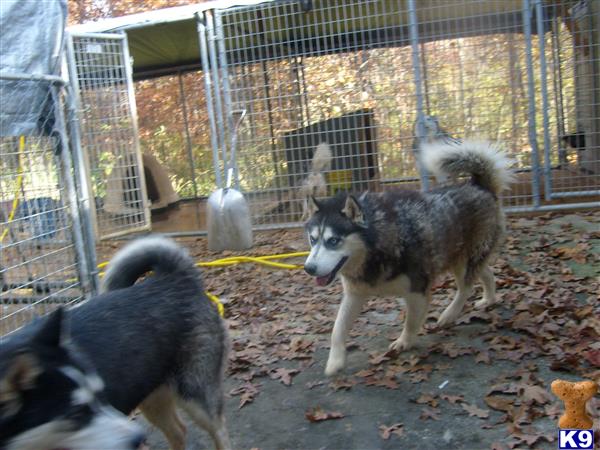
(487, 164)
(152, 253)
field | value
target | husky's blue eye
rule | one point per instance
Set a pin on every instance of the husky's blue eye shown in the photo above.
(333, 241)
(312, 240)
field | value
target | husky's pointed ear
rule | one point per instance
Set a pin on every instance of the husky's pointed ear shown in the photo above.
(54, 331)
(312, 205)
(20, 376)
(353, 211)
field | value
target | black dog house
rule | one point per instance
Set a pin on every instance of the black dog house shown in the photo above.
(352, 140)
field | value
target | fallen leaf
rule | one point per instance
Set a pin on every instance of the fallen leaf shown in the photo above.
(427, 399)
(312, 384)
(386, 432)
(366, 373)
(430, 413)
(386, 382)
(442, 366)
(342, 384)
(450, 349)
(577, 253)
(378, 358)
(301, 345)
(319, 415)
(483, 357)
(534, 394)
(475, 411)
(418, 377)
(555, 410)
(567, 363)
(454, 399)
(593, 357)
(499, 403)
(247, 392)
(529, 439)
(284, 375)
(474, 315)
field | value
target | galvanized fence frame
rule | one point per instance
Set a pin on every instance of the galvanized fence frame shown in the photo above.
(46, 255)
(109, 152)
(227, 92)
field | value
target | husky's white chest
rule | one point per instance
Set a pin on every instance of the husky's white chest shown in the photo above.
(398, 286)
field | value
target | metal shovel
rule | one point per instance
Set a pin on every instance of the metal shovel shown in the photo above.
(229, 224)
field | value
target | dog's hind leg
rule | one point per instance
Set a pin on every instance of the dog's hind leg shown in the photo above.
(214, 424)
(351, 306)
(464, 291)
(160, 410)
(489, 287)
(417, 305)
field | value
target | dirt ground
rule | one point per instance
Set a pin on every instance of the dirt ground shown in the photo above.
(482, 384)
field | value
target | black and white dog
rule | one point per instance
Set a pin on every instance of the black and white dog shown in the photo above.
(398, 242)
(158, 344)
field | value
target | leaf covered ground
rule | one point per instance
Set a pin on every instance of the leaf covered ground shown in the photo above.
(484, 383)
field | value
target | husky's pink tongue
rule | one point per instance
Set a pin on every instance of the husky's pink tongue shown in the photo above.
(322, 281)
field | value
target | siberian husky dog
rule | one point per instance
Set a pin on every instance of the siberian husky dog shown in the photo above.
(398, 242)
(157, 344)
(51, 397)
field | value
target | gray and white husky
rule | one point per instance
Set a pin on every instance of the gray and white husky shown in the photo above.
(398, 242)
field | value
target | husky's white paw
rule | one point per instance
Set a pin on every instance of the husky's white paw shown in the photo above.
(447, 318)
(484, 302)
(404, 342)
(335, 362)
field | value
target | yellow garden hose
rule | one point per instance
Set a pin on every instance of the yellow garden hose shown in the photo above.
(15, 202)
(264, 260)
(216, 301)
(232, 260)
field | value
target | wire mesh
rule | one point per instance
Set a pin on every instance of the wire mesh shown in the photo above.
(38, 263)
(99, 67)
(573, 49)
(342, 72)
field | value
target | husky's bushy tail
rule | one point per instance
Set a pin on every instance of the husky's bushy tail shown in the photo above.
(321, 159)
(487, 163)
(151, 253)
(315, 183)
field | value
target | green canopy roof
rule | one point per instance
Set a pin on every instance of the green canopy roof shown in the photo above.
(166, 41)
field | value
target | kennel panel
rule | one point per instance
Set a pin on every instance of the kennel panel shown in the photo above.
(100, 69)
(520, 72)
(303, 83)
(42, 257)
(573, 168)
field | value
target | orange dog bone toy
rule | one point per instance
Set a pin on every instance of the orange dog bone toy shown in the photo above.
(575, 396)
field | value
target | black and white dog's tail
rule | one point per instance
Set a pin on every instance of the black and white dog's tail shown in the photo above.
(151, 253)
(487, 163)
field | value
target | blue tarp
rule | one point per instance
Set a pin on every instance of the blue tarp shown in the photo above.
(31, 43)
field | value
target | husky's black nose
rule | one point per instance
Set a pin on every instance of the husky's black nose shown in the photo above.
(310, 269)
(137, 441)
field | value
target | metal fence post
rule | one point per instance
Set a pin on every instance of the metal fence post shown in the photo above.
(127, 63)
(67, 169)
(226, 90)
(208, 88)
(214, 67)
(539, 13)
(188, 139)
(535, 160)
(416, 66)
(81, 169)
